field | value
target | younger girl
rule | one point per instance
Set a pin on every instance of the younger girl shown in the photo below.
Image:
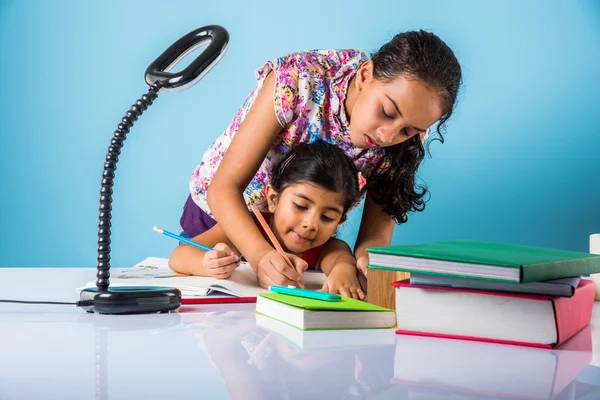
(377, 111)
(311, 190)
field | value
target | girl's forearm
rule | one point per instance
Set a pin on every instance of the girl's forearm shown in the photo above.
(374, 241)
(335, 252)
(244, 157)
(345, 260)
(376, 228)
(230, 210)
(189, 260)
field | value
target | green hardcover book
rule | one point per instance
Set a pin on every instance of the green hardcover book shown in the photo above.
(309, 314)
(484, 260)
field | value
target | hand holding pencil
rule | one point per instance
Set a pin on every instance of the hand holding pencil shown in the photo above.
(272, 270)
(221, 261)
(277, 267)
(218, 262)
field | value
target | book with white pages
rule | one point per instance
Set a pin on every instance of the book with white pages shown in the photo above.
(315, 314)
(241, 286)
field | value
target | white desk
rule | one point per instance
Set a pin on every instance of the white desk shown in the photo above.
(204, 352)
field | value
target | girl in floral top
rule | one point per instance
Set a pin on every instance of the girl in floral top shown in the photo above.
(311, 190)
(377, 111)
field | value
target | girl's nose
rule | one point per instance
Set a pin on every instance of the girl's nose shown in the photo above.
(309, 222)
(386, 134)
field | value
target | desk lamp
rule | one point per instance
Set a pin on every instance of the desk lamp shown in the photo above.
(141, 300)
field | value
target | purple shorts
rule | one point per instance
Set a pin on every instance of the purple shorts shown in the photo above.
(194, 220)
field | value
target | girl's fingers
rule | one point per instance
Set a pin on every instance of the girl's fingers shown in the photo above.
(361, 294)
(223, 261)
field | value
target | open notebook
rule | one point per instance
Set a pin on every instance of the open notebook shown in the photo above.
(241, 286)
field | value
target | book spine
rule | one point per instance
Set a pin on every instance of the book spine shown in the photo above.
(559, 269)
(574, 313)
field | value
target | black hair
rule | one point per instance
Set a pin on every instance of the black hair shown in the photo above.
(425, 57)
(321, 164)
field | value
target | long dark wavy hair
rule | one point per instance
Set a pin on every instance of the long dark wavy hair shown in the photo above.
(425, 57)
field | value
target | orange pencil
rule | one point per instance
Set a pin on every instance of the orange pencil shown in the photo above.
(271, 236)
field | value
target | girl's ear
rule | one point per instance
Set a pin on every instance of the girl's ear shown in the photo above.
(364, 75)
(272, 197)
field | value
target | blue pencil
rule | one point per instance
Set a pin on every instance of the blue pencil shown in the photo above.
(185, 240)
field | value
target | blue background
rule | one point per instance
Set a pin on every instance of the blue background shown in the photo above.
(520, 163)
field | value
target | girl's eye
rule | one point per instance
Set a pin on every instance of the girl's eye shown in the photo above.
(299, 207)
(385, 115)
(327, 219)
(412, 132)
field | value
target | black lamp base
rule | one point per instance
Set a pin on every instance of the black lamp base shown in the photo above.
(132, 300)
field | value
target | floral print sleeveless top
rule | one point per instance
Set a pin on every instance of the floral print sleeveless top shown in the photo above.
(310, 89)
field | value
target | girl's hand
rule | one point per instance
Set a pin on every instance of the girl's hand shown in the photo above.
(362, 263)
(272, 269)
(221, 261)
(343, 280)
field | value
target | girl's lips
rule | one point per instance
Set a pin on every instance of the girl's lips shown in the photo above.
(370, 142)
(299, 237)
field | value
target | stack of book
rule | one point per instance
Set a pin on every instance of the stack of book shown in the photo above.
(490, 291)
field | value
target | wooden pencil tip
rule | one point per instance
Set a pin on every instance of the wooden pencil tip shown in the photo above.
(157, 229)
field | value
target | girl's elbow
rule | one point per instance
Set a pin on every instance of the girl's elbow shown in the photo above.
(177, 261)
(212, 194)
(175, 257)
(218, 191)
(173, 262)
(210, 198)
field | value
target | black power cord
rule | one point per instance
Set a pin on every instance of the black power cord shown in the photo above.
(80, 303)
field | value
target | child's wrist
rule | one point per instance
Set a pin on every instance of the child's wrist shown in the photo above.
(345, 265)
(257, 255)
